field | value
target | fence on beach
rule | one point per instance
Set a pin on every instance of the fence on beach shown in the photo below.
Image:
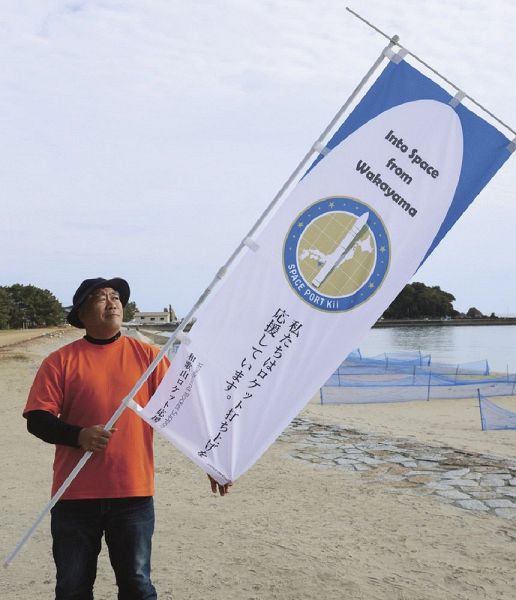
(494, 417)
(410, 376)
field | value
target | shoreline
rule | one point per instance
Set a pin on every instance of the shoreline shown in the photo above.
(499, 321)
(438, 323)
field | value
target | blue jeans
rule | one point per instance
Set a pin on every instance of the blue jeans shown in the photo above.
(77, 528)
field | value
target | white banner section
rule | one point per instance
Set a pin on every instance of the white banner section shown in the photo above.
(328, 263)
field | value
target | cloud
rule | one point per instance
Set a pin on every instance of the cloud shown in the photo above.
(133, 130)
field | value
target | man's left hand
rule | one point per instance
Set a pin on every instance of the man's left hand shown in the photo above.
(223, 488)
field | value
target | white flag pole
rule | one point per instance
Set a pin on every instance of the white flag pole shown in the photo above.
(317, 147)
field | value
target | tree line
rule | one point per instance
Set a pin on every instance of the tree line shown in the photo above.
(23, 306)
(28, 306)
(419, 301)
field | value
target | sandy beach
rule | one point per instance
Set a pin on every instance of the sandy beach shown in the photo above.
(353, 502)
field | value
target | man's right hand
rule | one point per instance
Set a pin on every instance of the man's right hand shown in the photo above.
(94, 439)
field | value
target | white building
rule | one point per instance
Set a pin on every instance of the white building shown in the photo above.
(152, 318)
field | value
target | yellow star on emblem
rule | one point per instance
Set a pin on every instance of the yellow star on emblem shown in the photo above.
(371, 285)
(382, 249)
(300, 224)
(332, 204)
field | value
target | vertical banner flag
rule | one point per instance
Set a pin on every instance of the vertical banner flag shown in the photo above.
(399, 172)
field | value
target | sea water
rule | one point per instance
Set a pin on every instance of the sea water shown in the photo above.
(448, 343)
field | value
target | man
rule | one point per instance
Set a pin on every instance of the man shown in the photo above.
(76, 391)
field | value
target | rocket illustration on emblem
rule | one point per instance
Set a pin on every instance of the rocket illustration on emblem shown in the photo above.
(345, 245)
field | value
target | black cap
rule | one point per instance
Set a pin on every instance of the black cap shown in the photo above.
(90, 285)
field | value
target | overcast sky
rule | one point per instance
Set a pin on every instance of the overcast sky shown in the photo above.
(142, 138)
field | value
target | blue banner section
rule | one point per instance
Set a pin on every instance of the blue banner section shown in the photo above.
(485, 148)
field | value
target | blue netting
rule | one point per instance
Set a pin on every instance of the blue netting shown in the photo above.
(386, 360)
(495, 417)
(407, 376)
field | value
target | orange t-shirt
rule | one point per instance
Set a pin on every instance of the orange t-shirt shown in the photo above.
(83, 384)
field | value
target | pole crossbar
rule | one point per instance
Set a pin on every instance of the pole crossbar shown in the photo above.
(129, 399)
(459, 89)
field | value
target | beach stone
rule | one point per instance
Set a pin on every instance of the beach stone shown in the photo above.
(473, 505)
(463, 482)
(512, 481)
(506, 513)
(500, 503)
(506, 491)
(453, 495)
(493, 480)
(485, 469)
(482, 495)
(439, 485)
(371, 461)
(409, 464)
(384, 448)
(330, 455)
(456, 473)
(397, 458)
(361, 467)
(323, 445)
(307, 447)
(368, 443)
(430, 458)
(425, 463)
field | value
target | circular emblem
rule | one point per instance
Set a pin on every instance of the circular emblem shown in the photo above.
(336, 254)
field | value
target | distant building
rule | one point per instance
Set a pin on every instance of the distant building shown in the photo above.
(152, 318)
(66, 311)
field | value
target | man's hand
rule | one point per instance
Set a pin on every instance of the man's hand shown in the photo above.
(223, 489)
(94, 439)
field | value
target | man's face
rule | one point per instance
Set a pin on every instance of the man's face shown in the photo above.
(102, 313)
